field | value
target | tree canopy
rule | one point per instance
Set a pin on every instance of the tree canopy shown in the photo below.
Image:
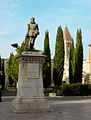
(71, 77)
(58, 58)
(12, 69)
(47, 62)
(78, 58)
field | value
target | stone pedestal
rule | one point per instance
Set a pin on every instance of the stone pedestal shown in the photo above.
(30, 95)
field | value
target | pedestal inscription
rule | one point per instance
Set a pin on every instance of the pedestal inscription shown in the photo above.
(33, 70)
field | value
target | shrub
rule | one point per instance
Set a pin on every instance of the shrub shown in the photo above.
(76, 89)
(89, 89)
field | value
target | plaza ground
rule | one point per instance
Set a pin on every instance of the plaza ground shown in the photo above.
(64, 108)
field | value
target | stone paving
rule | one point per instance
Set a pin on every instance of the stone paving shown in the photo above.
(64, 108)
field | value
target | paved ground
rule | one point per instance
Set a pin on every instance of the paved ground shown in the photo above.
(64, 108)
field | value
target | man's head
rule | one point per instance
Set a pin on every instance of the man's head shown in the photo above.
(32, 20)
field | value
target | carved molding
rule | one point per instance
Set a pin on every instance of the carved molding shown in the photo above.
(30, 59)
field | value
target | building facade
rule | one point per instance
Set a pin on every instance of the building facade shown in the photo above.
(6, 76)
(67, 42)
(87, 67)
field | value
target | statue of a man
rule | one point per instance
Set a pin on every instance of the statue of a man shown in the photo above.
(31, 35)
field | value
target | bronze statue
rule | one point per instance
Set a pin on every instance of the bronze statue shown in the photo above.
(31, 35)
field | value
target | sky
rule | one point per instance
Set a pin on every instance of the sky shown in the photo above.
(49, 14)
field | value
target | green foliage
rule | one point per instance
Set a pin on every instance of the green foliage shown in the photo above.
(58, 58)
(71, 77)
(19, 50)
(47, 62)
(76, 89)
(11, 81)
(12, 69)
(78, 58)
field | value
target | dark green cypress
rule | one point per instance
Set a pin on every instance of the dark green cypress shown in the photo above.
(78, 58)
(11, 81)
(47, 62)
(71, 78)
(58, 58)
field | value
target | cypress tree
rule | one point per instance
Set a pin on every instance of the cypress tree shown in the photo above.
(71, 78)
(47, 62)
(12, 69)
(11, 81)
(78, 58)
(58, 58)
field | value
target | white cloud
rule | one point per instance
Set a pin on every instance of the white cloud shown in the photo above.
(81, 3)
(3, 33)
(8, 6)
(65, 9)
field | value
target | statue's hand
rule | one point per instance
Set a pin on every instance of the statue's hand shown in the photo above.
(37, 32)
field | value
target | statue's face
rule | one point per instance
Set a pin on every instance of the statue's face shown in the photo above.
(32, 20)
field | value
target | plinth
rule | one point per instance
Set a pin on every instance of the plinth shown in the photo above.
(30, 96)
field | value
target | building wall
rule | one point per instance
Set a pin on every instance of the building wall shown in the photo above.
(6, 76)
(67, 44)
(65, 79)
(87, 68)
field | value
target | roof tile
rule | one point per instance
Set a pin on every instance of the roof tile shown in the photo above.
(66, 34)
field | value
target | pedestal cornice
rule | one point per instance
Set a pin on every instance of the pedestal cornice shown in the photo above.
(31, 57)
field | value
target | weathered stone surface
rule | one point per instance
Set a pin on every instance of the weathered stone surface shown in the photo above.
(33, 70)
(30, 105)
(52, 94)
(30, 95)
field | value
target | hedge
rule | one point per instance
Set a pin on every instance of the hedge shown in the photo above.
(75, 89)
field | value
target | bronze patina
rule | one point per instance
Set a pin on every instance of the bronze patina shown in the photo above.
(32, 33)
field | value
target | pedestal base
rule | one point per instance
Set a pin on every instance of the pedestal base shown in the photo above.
(30, 96)
(30, 105)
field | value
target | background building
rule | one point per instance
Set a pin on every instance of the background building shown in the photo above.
(67, 42)
(86, 62)
(3, 75)
(6, 76)
(87, 67)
